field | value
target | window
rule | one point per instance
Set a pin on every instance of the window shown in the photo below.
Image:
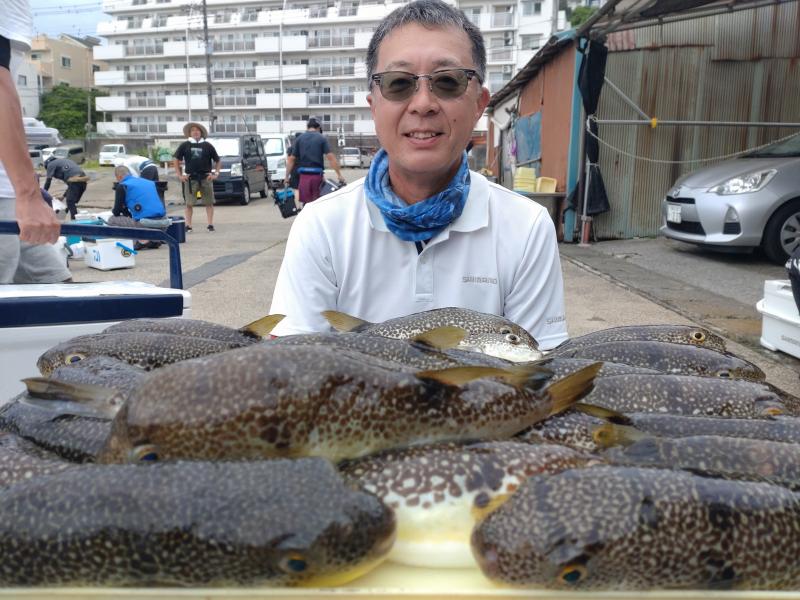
(22, 80)
(531, 41)
(36, 56)
(530, 8)
(66, 62)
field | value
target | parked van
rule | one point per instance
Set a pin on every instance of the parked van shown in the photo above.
(277, 150)
(244, 167)
(75, 153)
(110, 152)
(353, 157)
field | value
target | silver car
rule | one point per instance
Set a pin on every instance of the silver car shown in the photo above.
(743, 203)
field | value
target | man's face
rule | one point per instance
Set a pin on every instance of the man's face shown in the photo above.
(425, 135)
(195, 133)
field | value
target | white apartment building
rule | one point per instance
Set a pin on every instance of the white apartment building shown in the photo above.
(273, 63)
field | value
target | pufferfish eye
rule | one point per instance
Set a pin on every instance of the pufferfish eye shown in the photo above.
(144, 453)
(573, 573)
(512, 338)
(70, 359)
(698, 336)
(293, 563)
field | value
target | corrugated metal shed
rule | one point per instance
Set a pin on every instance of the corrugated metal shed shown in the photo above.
(678, 71)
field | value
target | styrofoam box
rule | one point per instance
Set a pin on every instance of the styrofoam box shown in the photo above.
(20, 347)
(780, 327)
(106, 255)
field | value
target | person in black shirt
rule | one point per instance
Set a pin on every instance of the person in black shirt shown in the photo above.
(71, 174)
(308, 155)
(197, 156)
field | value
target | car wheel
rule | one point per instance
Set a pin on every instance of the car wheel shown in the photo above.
(782, 233)
(245, 199)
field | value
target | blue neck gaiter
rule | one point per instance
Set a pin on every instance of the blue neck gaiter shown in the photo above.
(423, 220)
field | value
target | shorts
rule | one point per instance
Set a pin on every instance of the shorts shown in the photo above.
(206, 187)
(21, 262)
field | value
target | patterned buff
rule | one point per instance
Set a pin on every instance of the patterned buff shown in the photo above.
(423, 220)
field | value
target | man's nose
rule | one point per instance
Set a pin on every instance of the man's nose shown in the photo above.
(423, 100)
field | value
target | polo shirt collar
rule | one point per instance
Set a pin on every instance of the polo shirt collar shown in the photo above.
(474, 216)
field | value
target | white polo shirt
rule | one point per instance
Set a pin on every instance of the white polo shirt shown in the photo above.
(499, 257)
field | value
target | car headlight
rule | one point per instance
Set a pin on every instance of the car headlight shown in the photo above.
(282, 163)
(236, 170)
(744, 184)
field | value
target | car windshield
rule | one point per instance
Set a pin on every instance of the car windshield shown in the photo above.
(353, 151)
(273, 146)
(61, 152)
(111, 148)
(786, 148)
(225, 146)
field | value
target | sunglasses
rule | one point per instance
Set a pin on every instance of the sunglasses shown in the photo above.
(398, 86)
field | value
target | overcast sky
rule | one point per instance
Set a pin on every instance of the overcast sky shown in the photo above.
(75, 17)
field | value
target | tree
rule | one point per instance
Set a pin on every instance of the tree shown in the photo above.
(64, 108)
(580, 15)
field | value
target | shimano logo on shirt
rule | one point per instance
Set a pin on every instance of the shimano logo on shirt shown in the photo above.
(474, 279)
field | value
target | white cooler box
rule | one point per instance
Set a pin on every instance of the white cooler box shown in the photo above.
(780, 329)
(108, 254)
(34, 318)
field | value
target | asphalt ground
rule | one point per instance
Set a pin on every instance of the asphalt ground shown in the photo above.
(231, 274)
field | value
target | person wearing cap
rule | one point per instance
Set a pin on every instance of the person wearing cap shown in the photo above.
(198, 156)
(307, 157)
(422, 231)
(72, 175)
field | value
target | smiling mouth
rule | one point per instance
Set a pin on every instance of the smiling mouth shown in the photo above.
(422, 135)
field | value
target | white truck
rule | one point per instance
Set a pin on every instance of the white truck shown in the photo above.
(110, 153)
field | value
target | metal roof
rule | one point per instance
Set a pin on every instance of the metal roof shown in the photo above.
(619, 15)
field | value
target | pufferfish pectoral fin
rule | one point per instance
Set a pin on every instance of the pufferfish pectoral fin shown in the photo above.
(441, 338)
(81, 399)
(342, 321)
(262, 327)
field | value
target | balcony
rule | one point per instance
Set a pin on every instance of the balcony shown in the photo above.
(144, 50)
(111, 27)
(344, 41)
(288, 72)
(500, 20)
(153, 102)
(315, 71)
(106, 78)
(364, 126)
(147, 127)
(108, 52)
(293, 100)
(113, 127)
(144, 76)
(196, 75)
(195, 48)
(111, 103)
(362, 40)
(504, 54)
(228, 101)
(264, 127)
(290, 43)
(181, 102)
(330, 99)
(233, 73)
(234, 46)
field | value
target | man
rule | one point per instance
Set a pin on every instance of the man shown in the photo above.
(136, 204)
(29, 257)
(139, 166)
(422, 231)
(197, 156)
(308, 155)
(71, 174)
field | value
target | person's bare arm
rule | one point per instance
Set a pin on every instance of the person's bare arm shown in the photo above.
(217, 168)
(290, 160)
(335, 165)
(177, 165)
(37, 221)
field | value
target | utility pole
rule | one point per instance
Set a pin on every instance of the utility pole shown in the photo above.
(553, 19)
(209, 91)
(188, 75)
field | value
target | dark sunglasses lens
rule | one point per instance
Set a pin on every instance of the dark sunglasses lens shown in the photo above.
(450, 84)
(397, 86)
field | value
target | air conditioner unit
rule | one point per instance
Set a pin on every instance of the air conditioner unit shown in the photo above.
(508, 69)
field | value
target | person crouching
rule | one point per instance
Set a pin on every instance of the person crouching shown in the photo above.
(136, 204)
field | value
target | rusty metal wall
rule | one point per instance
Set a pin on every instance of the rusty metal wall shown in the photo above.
(729, 67)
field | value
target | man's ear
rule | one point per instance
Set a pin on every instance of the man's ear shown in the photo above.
(483, 101)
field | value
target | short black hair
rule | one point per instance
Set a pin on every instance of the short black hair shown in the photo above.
(313, 123)
(433, 14)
